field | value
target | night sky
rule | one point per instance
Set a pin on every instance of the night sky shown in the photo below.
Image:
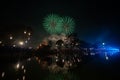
(96, 20)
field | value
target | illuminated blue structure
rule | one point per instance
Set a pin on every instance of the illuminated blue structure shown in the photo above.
(107, 51)
(111, 50)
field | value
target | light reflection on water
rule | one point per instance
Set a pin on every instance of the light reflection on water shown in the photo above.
(30, 69)
(23, 70)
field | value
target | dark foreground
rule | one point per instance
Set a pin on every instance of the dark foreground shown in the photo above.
(29, 69)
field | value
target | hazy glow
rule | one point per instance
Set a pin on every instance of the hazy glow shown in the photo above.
(112, 50)
(30, 47)
(29, 38)
(11, 37)
(23, 77)
(106, 58)
(24, 70)
(25, 32)
(103, 44)
(22, 66)
(3, 74)
(14, 45)
(21, 43)
(29, 34)
(17, 79)
(18, 65)
(26, 41)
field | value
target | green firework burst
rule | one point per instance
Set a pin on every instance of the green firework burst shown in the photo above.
(68, 25)
(52, 24)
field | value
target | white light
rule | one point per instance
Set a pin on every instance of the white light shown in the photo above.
(24, 71)
(23, 77)
(29, 59)
(29, 34)
(63, 60)
(18, 65)
(22, 66)
(106, 57)
(21, 43)
(56, 60)
(14, 45)
(25, 32)
(103, 43)
(11, 37)
(76, 44)
(78, 60)
(26, 41)
(70, 64)
(3, 74)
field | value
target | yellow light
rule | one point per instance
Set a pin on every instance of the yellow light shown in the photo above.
(18, 65)
(21, 43)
